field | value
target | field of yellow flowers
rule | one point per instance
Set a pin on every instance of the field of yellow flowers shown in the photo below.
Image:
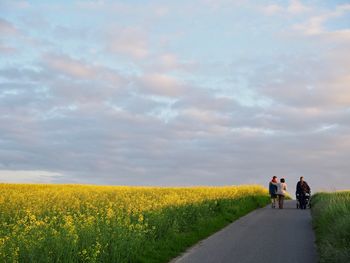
(79, 223)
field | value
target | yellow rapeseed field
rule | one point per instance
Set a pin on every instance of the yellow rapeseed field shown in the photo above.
(79, 223)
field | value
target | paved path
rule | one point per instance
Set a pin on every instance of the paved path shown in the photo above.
(265, 235)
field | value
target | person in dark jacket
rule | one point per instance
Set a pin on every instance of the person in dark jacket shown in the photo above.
(273, 191)
(302, 189)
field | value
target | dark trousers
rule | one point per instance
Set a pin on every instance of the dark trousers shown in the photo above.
(280, 201)
(302, 201)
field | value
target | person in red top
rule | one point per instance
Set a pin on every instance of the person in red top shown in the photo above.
(273, 191)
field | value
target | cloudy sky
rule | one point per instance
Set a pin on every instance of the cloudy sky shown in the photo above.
(203, 92)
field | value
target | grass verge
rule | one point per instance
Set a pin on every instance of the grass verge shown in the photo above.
(177, 239)
(331, 221)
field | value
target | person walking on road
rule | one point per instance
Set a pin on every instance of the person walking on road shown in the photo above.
(281, 192)
(302, 190)
(273, 191)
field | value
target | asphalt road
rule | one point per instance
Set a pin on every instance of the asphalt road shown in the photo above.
(265, 235)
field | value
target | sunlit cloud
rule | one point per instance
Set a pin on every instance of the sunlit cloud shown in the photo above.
(201, 92)
(9, 176)
(7, 28)
(316, 25)
(294, 7)
(68, 66)
(161, 84)
(297, 7)
(129, 41)
(4, 49)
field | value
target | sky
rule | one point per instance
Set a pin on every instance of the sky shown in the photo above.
(175, 93)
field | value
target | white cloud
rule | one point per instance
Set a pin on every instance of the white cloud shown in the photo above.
(8, 4)
(139, 110)
(131, 41)
(169, 61)
(161, 11)
(163, 63)
(272, 9)
(5, 49)
(69, 66)
(315, 25)
(161, 84)
(24, 176)
(297, 7)
(206, 117)
(7, 28)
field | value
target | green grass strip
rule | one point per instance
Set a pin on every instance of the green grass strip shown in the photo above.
(181, 235)
(331, 221)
